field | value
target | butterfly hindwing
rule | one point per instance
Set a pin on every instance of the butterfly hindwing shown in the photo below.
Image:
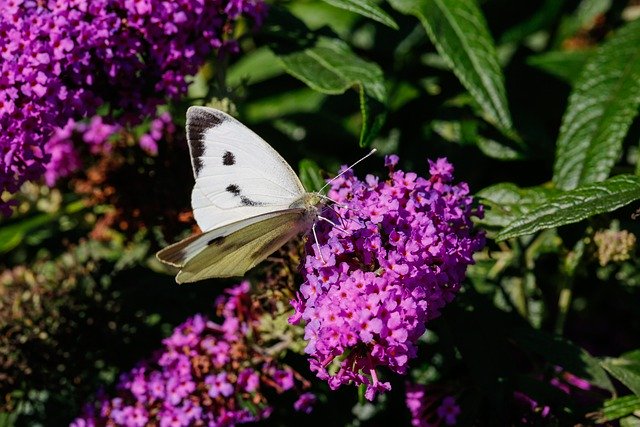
(231, 250)
(238, 175)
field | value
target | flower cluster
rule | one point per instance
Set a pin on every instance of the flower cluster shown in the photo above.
(614, 245)
(207, 374)
(396, 253)
(430, 410)
(62, 59)
(62, 146)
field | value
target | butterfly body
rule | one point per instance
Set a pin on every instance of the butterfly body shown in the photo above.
(246, 199)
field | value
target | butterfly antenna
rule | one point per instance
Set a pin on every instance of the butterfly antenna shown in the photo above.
(347, 169)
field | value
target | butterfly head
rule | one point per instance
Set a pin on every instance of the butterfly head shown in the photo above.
(310, 202)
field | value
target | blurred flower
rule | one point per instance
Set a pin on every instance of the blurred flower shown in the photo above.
(614, 245)
(395, 255)
(61, 60)
(429, 408)
(532, 410)
(64, 158)
(305, 403)
(207, 374)
(160, 126)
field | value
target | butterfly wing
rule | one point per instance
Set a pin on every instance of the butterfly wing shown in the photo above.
(238, 175)
(233, 249)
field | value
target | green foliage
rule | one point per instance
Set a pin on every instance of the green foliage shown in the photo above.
(535, 104)
(575, 205)
(366, 8)
(601, 108)
(458, 29)
(327, 65)
(626, 369)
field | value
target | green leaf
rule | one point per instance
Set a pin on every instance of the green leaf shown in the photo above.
(505, 202)
(328, 65)
(254, 67)
(366, 8)
(619, 407)
(545, 16)
(565, 65)
(630, 421)
(310, 175)
(559, 351)
(601, 108)
(460, 33)
(575, 205)
(268, 108)
(627, 371)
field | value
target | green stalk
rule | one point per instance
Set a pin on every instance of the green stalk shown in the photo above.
(570, 265)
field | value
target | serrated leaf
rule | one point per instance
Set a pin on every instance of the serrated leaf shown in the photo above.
(505, 202)
(619, 407)
(459, 32)
(601, 108)
(566, 65)
(559, 351)
(366, 8)
(627, 371)
(575, 205)
(328, 65)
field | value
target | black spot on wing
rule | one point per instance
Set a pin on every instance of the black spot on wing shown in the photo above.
(199, 120)
(228, 159)
(233, 189)
(244, 200)
(248, 202)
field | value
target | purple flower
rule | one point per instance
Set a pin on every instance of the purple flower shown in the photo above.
(218, 385)
(64, 159)
(429, 408)
(61, 60)
(448, 410)
(305, 403)
(397, 254)
(189, 383)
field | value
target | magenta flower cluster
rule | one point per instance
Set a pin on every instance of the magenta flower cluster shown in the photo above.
(62, 146)
(207, 374)
(62, 59)
(430, 410)
(396, 253)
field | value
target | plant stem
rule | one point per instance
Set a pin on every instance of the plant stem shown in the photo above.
(571, 262)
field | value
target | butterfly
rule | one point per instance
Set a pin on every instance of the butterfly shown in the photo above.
(246, 199)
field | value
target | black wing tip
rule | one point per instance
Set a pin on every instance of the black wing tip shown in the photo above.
(208, 116)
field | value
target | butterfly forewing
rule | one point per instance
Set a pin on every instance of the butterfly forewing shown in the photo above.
(238, 175)
(233, 254)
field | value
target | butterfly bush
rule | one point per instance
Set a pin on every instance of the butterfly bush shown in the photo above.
(395, 255)
(207, 374)
(62, 59)
(430, 409)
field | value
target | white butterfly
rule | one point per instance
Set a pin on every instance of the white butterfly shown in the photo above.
(246, 199)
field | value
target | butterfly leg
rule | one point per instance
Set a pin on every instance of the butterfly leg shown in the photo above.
(333, 224)
(315, 236)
